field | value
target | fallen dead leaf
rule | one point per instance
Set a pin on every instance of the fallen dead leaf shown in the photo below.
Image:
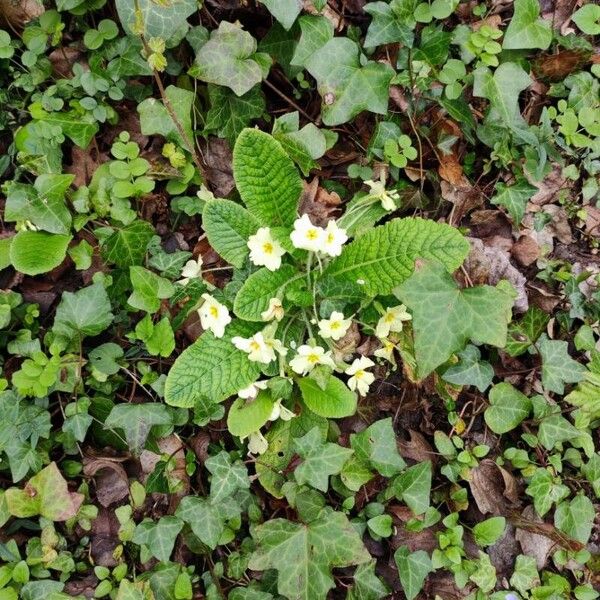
(18, 13)
(318, 203)
(417, 448)
(533, 544)
(104, 538)
(218, 159)
(112, 483)
(549, 187)
(462, 195)
(525, 250)
(494, 488)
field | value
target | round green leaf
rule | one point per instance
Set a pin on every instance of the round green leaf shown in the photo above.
(247, 417)
(334, 402)
(35, 252)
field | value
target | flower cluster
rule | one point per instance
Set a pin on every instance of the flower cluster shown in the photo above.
(321, 349)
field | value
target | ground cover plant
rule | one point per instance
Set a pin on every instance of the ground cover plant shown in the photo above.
(299, 300)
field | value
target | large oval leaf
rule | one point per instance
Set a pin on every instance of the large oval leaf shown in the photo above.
(334, 402)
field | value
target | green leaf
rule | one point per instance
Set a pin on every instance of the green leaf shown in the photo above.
(316, 32)
(367, 586)
(43, 203)
(206, 519)
(155, 118)
(484, 575)
(36, 252)
(148, 289)
(526, 29)
(446, 317)
(303, 555)
(514, 198)
(227, 476)
(159, 19)
(502, 89)
(376, 446)
(320, 460)
(266, 178)
(545, 491)
(229, 58)
(555, 429)
(285, 11)
(575, 518)
(488, 532)
(79, 128)
(587, 18)
(586, 396)
(388, 25)
(334, 402)
(85, 312)
(229, 113)
(413, 568)
(471, 370)
(558, 367)
(158, 338)
(159, 536)
(281, 436)
(508, 407)
(348, 87)
(210, 367)
(136, 421)
(384, 257)
(253, 297)
(45, 494)
(245, 418)
(525, 574)
(523, 334)
(414, 487)
(127, 245)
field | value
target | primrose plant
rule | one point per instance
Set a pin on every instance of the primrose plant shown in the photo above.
(284, 334)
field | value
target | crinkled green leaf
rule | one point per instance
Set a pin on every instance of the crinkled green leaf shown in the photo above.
(446, 317)
(266, 178)
(384, 257)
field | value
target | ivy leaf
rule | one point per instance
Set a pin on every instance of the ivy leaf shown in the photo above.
(334, 402)
(253, 297)
(514, 198)
(525, 574)
(489, 531)
(545, 491)
(389, 24)
(558, 367)
(127, 245)
(83, 313)
(155, 118)
(526, 29)
(413, 568)
(446, 317)
(285, 11)
(229, 58)
(158, 338)
(502, 89)
(159, 536)
(376, 446)
(136, 421)
(471, 370)
(210, 367)
(159, 19)
(316, 31)
(36, 252)
(367, 586)
(523, 334)
(206, 518)
(575, 518)
(304, 555)
(508, 407)
(413, 487)
(555, 429)
(43, 203)
(587, 18)
(266, 178)
(148, 289)
(227, 477)
(45, 494)
(79, 128)
(347, 87)
(320, 460)
(229, 113)
(384, 257)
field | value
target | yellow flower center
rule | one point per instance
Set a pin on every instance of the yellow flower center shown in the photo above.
(335, 325)
(254, 345)
(359, 374)
(214, 311)
(268, 248)
(389, 317)
(330, 238)
(313, 358)
(312, 234)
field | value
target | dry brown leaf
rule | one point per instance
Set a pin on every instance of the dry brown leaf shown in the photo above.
(494, 489)
(533, 544)
(17, 13)
(525, 250)
(112, 483)
(417, 448)
(318, 203)
(451, 170)
(218, 159)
